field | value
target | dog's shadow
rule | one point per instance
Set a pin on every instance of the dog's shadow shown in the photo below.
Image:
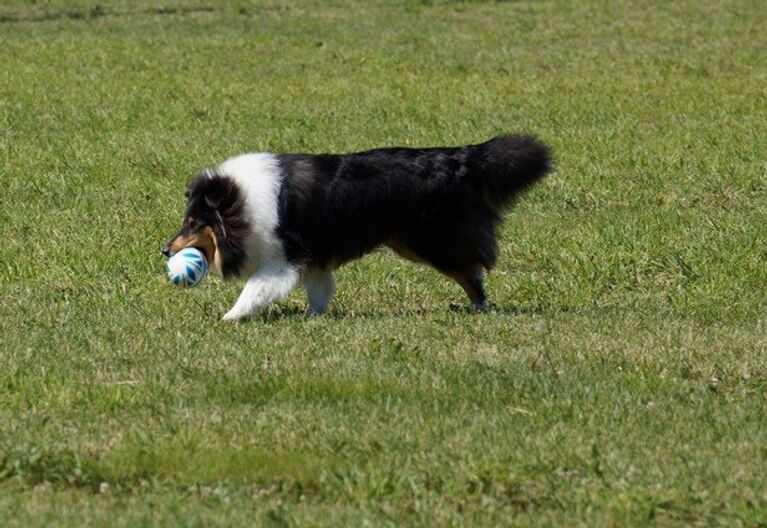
(278, 313)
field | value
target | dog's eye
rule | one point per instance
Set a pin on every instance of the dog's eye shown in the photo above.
(191, 222)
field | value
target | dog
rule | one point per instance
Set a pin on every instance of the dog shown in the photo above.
(280, 220)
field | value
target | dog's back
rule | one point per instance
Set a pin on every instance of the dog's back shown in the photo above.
(434, 205)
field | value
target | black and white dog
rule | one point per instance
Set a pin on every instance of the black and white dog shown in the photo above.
(283, 219)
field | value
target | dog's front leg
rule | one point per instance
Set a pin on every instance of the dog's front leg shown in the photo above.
(272, 282)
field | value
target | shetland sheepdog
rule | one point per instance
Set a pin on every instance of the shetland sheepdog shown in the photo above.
(279, 220)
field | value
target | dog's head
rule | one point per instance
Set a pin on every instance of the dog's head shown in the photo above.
(214, 223)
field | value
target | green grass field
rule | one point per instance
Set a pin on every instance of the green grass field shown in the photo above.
(620, 378)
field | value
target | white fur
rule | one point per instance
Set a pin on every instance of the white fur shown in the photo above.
(273, 281)
(259, 177)
(271, 277)
(320, 287)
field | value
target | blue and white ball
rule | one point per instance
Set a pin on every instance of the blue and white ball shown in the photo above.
(187, 268)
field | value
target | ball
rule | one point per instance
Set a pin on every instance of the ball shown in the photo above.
(187, 267)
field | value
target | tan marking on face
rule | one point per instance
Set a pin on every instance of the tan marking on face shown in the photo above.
(218, 262)
(204, 239)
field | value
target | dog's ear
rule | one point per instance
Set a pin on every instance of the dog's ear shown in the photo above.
(221, 194)
(214, 191)
(215, 195)
(214, 202)
(203, 188)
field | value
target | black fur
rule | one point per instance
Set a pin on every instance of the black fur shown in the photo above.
(440, 206)
(218, 202)
(437, 205)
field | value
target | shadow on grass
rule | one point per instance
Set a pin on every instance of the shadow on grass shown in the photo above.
(275, 314)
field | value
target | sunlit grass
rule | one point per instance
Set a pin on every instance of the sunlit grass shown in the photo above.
(619, 378)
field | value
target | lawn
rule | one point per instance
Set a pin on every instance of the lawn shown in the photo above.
(620, 377)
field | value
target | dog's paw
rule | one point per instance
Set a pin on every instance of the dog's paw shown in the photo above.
(232, 317)
(481, 307)
(313, 312)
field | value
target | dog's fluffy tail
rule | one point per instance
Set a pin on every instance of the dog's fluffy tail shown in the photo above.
(508, 165)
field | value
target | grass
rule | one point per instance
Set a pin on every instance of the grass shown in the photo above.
(620, 378)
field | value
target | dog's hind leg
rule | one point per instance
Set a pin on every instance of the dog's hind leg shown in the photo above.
(470, 277)
(471, 280)
(272, 282)
(320, 287)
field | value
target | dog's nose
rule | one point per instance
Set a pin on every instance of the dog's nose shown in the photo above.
(166, 250)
